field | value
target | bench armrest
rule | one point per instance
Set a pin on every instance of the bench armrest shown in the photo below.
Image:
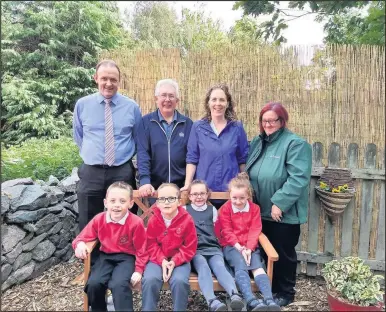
(270, 252)
(87, 262)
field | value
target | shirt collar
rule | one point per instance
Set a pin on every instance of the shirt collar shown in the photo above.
(121, 222)
(161, 118)
(202, 208)
(114, 99)
(245, 209)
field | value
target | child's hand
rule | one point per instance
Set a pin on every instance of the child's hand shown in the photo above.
(81, 250)
(247, 256)
(165, 270)
(135, 278)
(239, 247)
(171, 265)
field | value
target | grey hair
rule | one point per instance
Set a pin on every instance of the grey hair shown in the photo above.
(168, 82)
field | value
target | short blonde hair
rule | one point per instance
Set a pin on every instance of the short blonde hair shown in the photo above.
(163, 185)
(121, 185)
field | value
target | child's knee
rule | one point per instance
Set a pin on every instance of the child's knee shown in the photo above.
(258, 271)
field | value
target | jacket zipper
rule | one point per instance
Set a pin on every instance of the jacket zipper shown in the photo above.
(178, 122)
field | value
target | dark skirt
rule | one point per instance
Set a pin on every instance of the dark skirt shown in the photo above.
(237, 262)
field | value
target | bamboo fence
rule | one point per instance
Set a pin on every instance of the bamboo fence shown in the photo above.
(339, 97)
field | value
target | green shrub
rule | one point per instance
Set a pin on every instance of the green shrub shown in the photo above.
(40, 158)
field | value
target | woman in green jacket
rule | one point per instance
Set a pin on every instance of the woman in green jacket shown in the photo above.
(279, 166)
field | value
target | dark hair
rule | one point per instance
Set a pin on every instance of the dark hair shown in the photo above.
(241, 181)
(163, 185)
(108, 63)
(230, 113)
(280, 111)
(121, 185)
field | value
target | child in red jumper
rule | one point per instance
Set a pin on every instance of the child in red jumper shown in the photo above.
(171, 243)
(239, 227)
(123, 253)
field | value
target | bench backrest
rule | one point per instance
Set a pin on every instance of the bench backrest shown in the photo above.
(147, 210)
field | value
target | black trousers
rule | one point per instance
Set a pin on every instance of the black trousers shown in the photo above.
(92, 187)
(111, 271)
(284, 237)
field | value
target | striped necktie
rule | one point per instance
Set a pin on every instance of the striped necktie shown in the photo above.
(109, 134)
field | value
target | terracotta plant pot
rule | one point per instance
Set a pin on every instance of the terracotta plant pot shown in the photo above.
(334, 203)
(337, 305)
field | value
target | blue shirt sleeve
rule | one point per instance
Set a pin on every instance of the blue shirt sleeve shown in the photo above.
(77, 127)
(242, 146)
(193, 153)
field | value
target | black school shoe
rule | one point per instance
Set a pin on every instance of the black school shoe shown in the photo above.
(237, 303)
(272, 305)
(282, 301)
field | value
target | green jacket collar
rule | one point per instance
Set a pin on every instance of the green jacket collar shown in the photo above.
(273, 136)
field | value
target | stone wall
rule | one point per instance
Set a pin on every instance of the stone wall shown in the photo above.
(38, 224)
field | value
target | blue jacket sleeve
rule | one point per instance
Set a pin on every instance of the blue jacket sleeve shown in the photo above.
(77, 127)
(143, 153)
(193, 154)
(242, 146)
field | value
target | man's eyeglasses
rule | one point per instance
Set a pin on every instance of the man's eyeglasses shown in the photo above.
(198, 194)
(169, 199)
(164, 96)
(270, 122)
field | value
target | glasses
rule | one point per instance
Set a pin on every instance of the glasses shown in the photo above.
(170, 199)
(198, 194)
(270, 122)
(164, 96)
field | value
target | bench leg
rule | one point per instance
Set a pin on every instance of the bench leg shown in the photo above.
(270, 270)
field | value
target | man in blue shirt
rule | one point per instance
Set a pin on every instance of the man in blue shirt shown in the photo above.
(162, 141)
(104, 128)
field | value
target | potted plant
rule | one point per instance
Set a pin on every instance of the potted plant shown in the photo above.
(335, 191)
(351, 286)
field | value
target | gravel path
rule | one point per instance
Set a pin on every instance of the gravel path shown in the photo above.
(53, 291)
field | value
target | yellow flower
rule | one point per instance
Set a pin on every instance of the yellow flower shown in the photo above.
(335, 190)
(323, 185)
(345, 186)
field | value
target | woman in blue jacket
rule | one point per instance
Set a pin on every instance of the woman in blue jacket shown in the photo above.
(218, 145)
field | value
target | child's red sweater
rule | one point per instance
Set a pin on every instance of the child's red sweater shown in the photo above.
(178, 242)
(129, 238)
(242, 227)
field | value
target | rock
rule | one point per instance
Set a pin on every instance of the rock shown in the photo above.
(65, 238)
(3, 259)
(33, 243)
(14, 253)
(5, 271)
(55, 229)
(71, 199)
(40, 182)
(13, 193)
(56, 209)
(30, 227)
(40, 268)
(21, 260)
(52, 181)
(75, 208)
(66, 205)
(55, 195)
(54, 239)
(32, 198)
(22, 181)
(68, 222)
(68, 255)
(60, 253)
(24, 216)
(5, 204)
(43, 251)
(26, 239)
(11, 235)
(46, 223)
(68, 185)
(19, 276)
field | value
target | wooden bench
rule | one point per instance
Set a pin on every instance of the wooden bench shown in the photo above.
(145, 212)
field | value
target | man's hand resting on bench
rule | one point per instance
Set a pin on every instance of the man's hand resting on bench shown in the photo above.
(81, 250)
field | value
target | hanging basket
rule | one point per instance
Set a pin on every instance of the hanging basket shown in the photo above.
(334, 204)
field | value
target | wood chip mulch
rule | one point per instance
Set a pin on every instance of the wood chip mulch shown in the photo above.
(53, 291)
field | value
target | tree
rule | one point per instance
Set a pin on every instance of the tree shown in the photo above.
(49, 50)
(341, 23)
